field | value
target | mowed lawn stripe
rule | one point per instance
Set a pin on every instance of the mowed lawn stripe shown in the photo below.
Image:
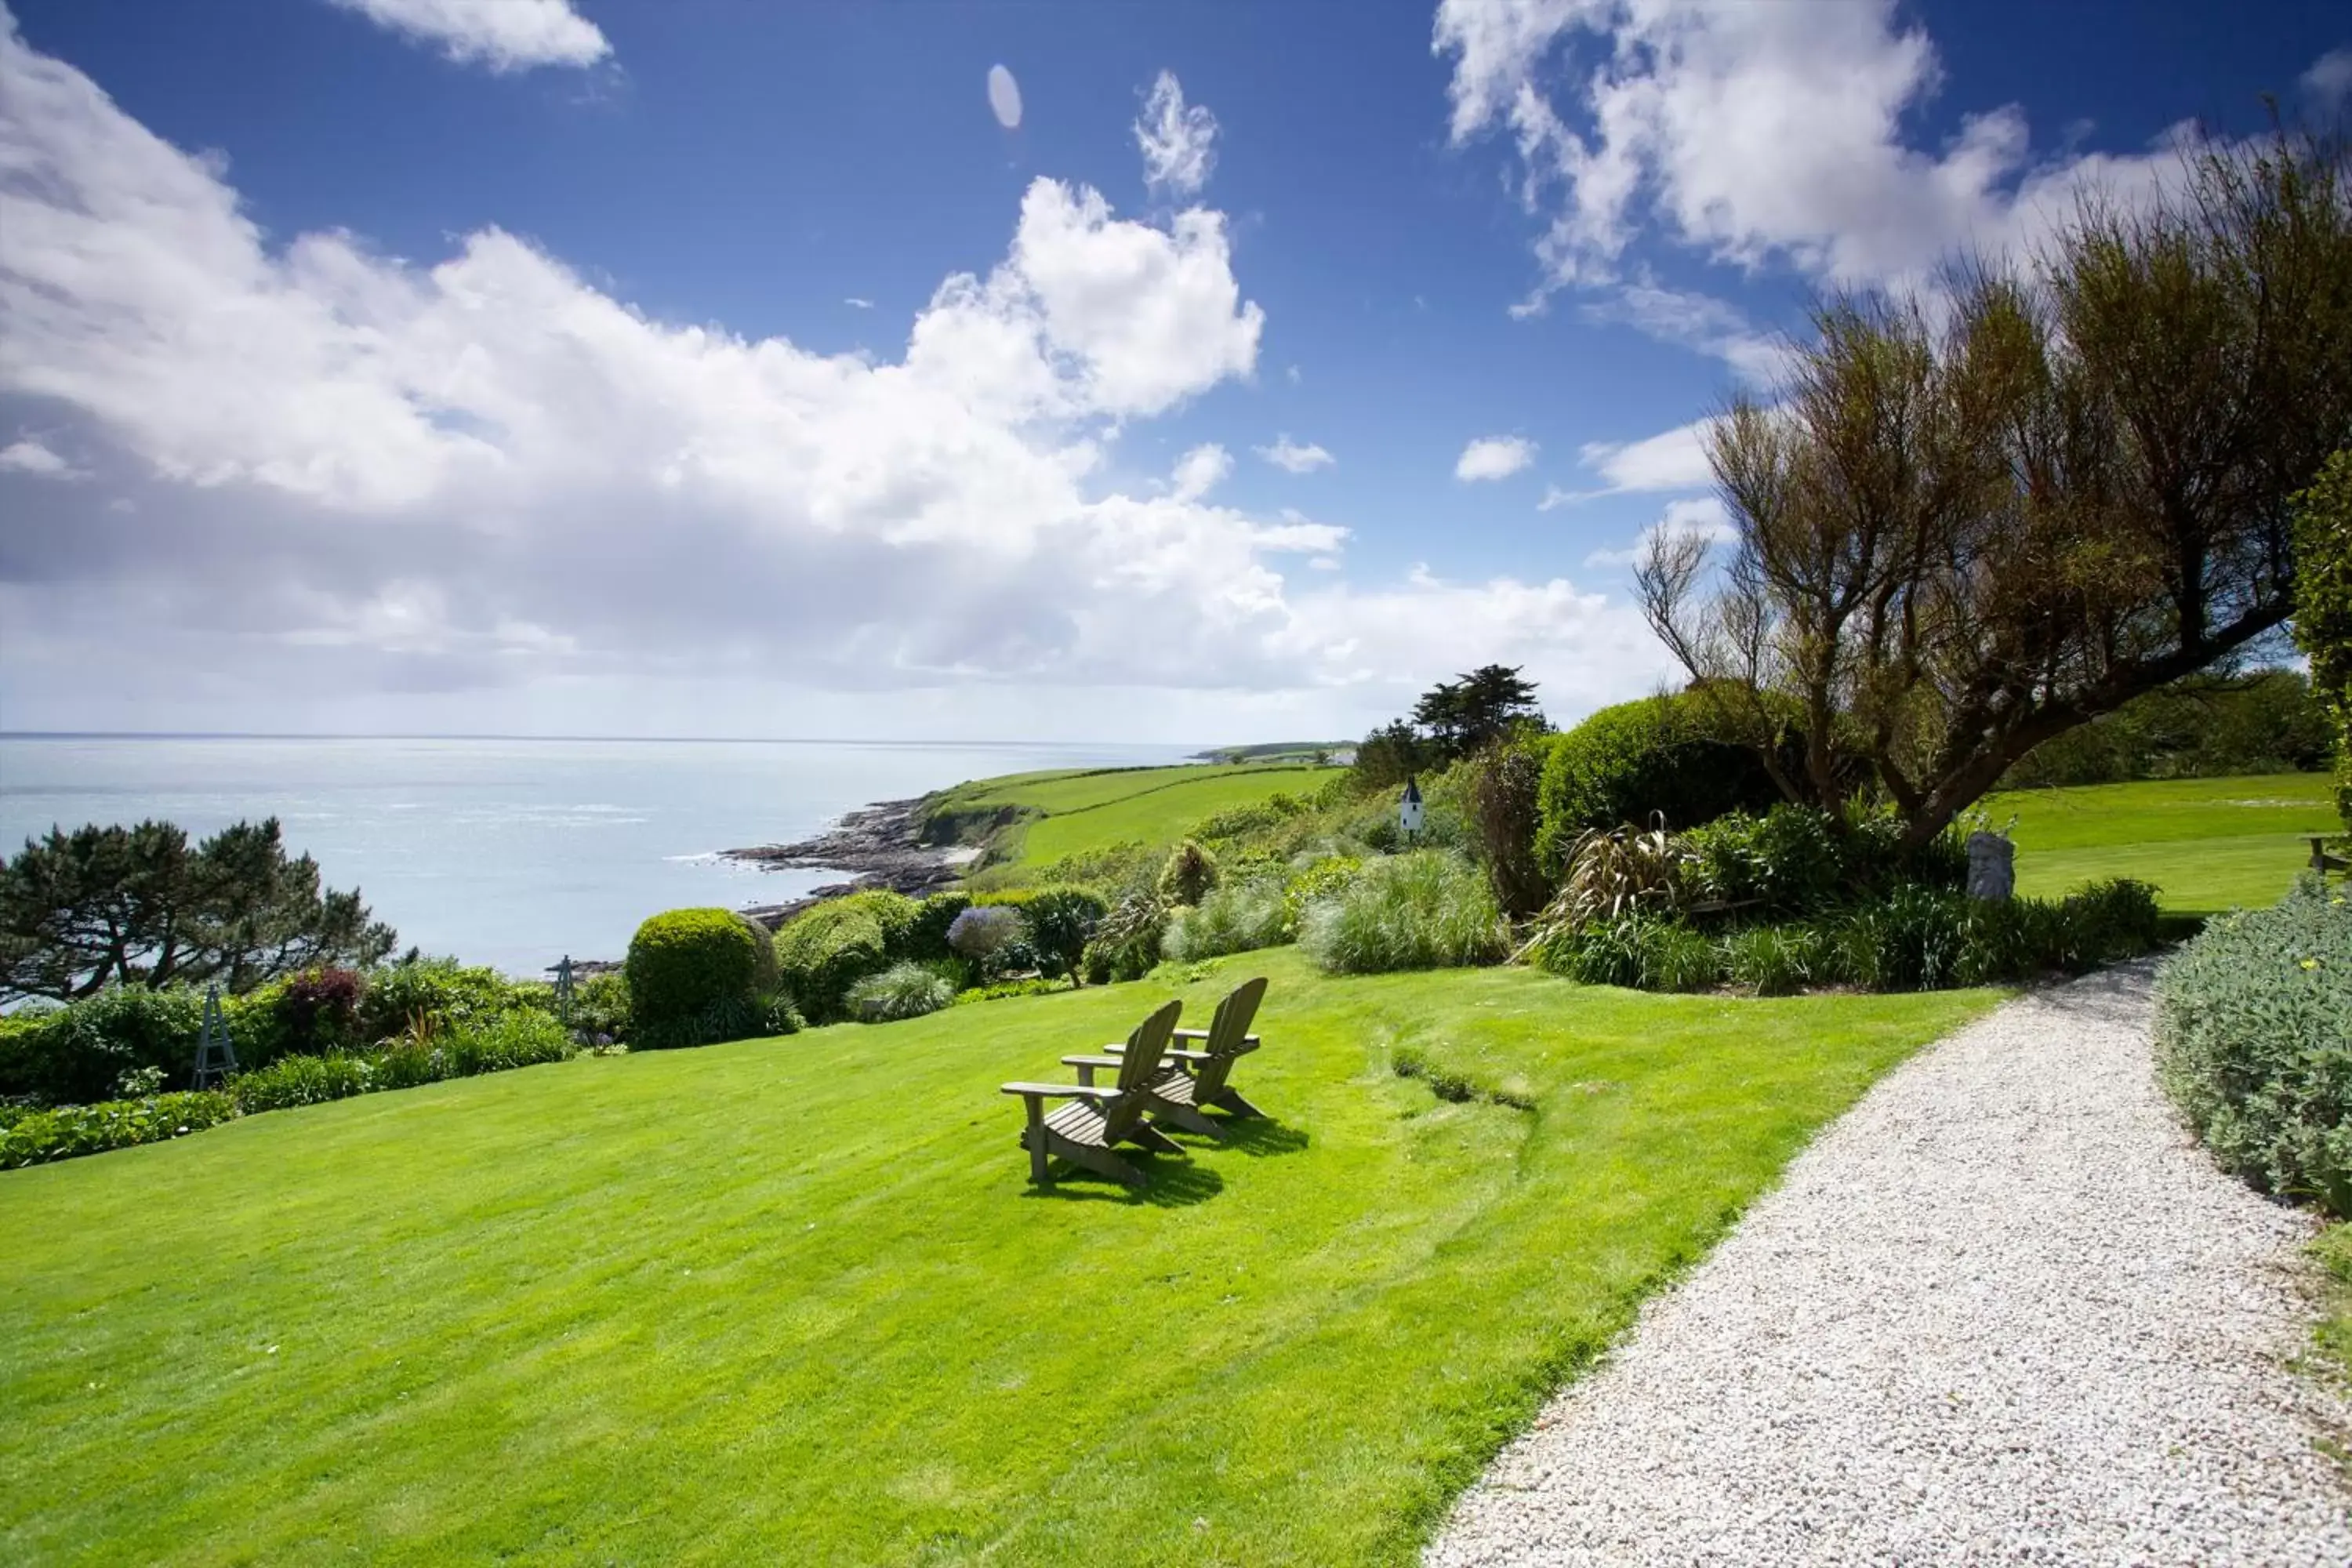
(793, 1299)
(2207, 844)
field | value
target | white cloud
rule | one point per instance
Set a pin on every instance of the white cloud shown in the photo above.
(1200, 470)
(1700, 321)
(504, 34)
(482, 474)
(1703, 517)
(1673, 460)
(1290, 456)
(1753, 134)
(855, 303)
(1494, 457)
(1003, 98)
(1293, 375)
(29, 456)
(2328, 82)
(1177, 142)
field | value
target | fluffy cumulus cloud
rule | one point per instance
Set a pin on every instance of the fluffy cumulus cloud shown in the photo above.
(1703, 516)
(1753, 135)
(1178, 141)
(1199, 471)
(321, 473)
(1293, 457)
(503, 35)
(31, 456)
(1494, 457)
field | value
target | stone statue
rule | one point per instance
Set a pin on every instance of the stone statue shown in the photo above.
(1993, 867)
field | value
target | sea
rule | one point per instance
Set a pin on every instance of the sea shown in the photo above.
(514, 853)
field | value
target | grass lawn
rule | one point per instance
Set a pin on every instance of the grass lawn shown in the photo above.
(792, 1301)
(1082, 811)
(2207, 844)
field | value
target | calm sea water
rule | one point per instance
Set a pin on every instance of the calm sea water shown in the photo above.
(507, 852)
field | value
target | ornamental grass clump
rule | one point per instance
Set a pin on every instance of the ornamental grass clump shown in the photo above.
(2253, 1041)
(901, 991)
(1429, 909)
(1237, 917)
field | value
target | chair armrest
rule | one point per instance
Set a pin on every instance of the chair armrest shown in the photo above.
(1061, 1090)
(1093, 1062)
(1182, 1055)
(1249, 1042)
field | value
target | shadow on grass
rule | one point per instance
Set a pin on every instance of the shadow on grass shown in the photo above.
(1167, 1184)
(1259, 1135)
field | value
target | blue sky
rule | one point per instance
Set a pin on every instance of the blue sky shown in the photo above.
(545, 366)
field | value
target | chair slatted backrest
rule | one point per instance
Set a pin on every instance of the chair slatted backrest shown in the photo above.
(1138, 1066)
(1231, 1025)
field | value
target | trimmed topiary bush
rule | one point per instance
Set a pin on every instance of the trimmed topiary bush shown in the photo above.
(905, 990)
(691, 973)
(1625, 764)
(1429, 909)
(2253, 1041)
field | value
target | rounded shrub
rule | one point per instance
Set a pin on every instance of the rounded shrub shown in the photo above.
(980, 933)
(823, 951)
(1429, 909)
(685, 967)
(902, 991)
(1626, 762)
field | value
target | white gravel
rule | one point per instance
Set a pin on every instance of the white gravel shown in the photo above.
(2003, 1312)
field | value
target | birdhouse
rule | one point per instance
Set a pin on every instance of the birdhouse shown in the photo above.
(1409, 808)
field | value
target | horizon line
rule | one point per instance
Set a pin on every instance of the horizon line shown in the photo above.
(495, 735)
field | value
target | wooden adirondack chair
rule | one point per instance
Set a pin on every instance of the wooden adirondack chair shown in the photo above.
(1084, 1132)
(1195, 1079)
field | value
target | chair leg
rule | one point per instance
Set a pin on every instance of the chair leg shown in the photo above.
(1033, 1139)
(1147, 1136)
(1185, 1116)
(1231, 1099)
(1102, 1162)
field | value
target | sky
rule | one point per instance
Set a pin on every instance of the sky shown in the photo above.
(1193, 372)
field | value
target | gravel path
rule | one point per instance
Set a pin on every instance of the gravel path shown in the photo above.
(2002, 1311)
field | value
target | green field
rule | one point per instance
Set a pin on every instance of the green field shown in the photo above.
(794, 1300)
(1074, 811)
(2207, 844)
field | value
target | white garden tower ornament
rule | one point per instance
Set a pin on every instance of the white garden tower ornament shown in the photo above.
(1409, 809)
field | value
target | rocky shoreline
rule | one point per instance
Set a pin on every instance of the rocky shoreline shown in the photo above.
(875, 844)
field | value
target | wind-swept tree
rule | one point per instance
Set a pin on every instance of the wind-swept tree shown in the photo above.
(136, 906)
(1964, 531)
(1471, 711)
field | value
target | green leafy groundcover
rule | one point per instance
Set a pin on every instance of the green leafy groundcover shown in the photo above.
(2253, 1039)
(795, 1302)
(510, 1040)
